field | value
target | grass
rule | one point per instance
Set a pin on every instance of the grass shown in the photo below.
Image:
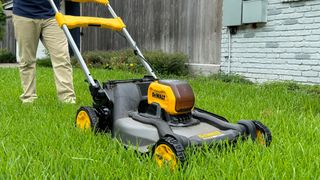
(39, 141)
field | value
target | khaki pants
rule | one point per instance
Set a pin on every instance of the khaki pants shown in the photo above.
(28, 32)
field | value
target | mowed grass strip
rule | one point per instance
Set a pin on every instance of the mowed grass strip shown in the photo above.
(39, 140)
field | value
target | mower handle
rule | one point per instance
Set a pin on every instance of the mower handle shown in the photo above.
(76, 50)
(104, 2)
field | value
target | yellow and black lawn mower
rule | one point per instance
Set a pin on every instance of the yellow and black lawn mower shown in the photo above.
(151, 114)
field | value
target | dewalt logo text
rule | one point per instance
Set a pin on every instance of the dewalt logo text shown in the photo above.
(158, 96)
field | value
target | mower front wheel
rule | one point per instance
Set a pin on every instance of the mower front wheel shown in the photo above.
(263, 133)
(169, 151)
(257, 131)
(87, 118)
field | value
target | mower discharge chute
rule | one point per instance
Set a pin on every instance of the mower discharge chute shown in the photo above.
(149, 113)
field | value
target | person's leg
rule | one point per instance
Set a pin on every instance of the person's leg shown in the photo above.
(55, 41)
(27, 33)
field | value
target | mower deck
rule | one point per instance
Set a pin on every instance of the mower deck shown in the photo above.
(134, 124)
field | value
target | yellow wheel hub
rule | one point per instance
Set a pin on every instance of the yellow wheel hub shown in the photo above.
(163, 154)
(83, 120)
(260, 137)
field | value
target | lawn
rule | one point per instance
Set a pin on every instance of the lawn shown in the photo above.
(39, 141)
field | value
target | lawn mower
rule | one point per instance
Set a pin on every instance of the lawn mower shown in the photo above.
(151, 114)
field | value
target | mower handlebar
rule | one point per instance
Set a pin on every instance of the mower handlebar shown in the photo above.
(104, 2)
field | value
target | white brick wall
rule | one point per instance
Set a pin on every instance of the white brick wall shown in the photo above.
(287, 47)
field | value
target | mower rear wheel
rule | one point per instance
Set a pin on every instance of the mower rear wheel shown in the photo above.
(169, 151)
(263, 134)
(87, 118)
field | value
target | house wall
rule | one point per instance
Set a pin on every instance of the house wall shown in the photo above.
(285, 48)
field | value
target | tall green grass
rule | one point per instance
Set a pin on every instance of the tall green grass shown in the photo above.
(39, 140)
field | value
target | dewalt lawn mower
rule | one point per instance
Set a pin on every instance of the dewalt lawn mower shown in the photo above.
(151, 114)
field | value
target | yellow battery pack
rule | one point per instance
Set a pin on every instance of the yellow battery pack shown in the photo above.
(174, 96)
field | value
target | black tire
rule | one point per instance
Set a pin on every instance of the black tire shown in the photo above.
(87, 119)
(263, 133)
(174, 150)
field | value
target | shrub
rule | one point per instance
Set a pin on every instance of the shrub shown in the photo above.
(7, 57)
(44, 62)
(168, 63)
(161, 62)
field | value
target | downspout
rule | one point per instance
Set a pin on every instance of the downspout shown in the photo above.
(229, 50)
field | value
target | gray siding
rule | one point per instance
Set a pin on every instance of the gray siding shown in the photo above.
(8, 40)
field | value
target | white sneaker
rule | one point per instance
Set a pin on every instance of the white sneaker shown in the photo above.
(70, 101)
(29, 100)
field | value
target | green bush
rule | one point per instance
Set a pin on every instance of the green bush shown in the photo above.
(44, 62)
(168, 63)
(7, 57)
(162, 63)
